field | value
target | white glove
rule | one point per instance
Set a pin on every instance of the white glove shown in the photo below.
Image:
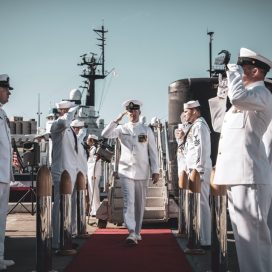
(234, 71)
(120, 117)
(233, 67)
(179, 133)
(222, 90)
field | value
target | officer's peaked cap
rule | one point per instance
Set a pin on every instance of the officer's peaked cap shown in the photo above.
(248, 56)
(132, 104)
(4, 81)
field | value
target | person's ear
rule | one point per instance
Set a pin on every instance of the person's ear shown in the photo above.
(254, 71)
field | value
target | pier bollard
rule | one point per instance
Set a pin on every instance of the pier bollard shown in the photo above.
(81, 206)
(219, 253)
(43, 221)
(66, 247)
(193, 221)
(183, 186)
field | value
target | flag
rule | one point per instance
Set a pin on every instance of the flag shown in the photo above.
(15, 161)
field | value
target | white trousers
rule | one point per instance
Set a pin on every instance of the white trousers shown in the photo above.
(134, 198)
(249, 207)
(205, 210)
(181, 163)
(56, 212)
(4, 199)
(94, 192)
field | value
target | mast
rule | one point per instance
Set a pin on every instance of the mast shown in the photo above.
(39, 112)
(91, 73)
(210, 33)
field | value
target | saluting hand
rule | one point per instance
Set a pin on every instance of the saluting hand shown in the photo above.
(120, 117)
(155, 177)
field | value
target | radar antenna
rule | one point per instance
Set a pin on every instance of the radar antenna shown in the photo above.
(91, 73)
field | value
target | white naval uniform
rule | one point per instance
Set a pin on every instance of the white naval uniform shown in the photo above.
(64, 157)
(47, 130)
(197, 152)
(94, 175)
(136, 161)
(218, 108)
(82, 153)
(184, 127)
(267, 139)
(243, 165)
(5, 175)
(180, 156)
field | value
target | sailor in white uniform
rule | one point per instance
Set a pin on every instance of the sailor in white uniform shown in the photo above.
(197, 151)
(6, 175)
(180, 132)
(64, 157)
(242, 163)
(81, 132)
(267, 139)
(94, 174)
(139, 155)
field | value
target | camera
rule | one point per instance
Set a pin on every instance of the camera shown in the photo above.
(31, 155)
(104, 150)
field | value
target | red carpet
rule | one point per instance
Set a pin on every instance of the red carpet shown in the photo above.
(106, 251)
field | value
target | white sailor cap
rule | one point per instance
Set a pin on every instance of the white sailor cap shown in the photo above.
(65, 104)
(248, 56)
(4, 81)
(191, 104)
(77, 123)
(92, 136)
(132, 104)
(50, 115)
(154, 121)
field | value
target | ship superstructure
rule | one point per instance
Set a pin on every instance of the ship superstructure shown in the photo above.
(94, 69)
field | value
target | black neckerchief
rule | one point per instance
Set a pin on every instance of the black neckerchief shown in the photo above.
(75, 138)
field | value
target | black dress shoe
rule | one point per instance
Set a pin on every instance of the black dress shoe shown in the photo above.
(206, 247)
(75, 245)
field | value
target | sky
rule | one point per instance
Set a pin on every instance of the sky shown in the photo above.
(149, 45)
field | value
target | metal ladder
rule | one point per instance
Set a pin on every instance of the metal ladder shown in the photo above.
(157, 201)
